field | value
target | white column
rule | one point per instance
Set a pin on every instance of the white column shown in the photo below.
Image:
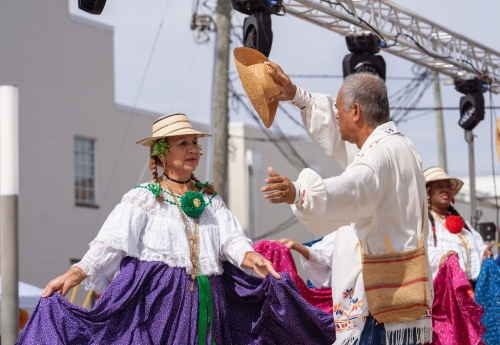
(9, 192)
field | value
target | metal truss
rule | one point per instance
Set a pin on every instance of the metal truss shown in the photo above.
(406, 35)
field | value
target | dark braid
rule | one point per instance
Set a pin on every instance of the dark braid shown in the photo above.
(210, 189)
(454, 212)
(153, 165)
(433, 226)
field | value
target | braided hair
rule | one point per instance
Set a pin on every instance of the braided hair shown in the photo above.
(209, 189)
(154, 161)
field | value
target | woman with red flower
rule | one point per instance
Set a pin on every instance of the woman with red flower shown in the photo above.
(450, 233)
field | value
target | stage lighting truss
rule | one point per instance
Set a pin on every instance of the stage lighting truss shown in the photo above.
(257, 29)
(363, 48)
(472, 104)
(92, 6)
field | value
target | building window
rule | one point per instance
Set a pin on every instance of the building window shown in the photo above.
(84, 171)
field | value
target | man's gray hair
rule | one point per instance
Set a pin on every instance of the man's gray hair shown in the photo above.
(370, 92)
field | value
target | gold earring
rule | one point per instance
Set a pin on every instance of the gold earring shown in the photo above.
(164, 169)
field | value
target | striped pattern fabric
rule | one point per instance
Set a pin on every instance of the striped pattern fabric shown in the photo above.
(396, 285)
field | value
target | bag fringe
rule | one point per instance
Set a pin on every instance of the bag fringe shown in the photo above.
(396, 337)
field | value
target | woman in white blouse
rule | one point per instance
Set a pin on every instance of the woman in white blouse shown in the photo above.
(159, 260)
(450, 233)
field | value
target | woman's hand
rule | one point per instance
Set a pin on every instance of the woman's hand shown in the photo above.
(445, 256)
(263, 267)
(260, 265)
(487, 252)
(298, 247)
(62, 284)
(287, 242)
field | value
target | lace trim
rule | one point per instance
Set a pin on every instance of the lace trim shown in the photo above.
(167, 211)
(206, 266)
(94, 281)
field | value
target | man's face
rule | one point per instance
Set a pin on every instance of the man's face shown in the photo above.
(344, 119)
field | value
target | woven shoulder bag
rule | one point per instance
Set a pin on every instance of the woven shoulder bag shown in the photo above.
(396, 284)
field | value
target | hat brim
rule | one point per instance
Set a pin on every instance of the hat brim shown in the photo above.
(457, 183)
(151, 140)
(244, 57)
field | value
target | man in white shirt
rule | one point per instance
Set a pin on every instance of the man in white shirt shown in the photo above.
(381, 192)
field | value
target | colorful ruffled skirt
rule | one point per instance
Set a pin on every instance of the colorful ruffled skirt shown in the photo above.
(151, 303)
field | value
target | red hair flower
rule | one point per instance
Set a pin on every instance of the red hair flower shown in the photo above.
(454, 224)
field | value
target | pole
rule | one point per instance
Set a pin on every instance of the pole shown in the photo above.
(210, 151)
(469, 137)
(223, 24)
(439, 121)
(9, 192)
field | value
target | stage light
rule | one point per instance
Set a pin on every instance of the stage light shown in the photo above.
(92, 6)
(257, 30)
(362, 58)
(472, 104)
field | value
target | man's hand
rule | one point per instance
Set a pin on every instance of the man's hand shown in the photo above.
(287, 88)
(487, 252)
(280, 187)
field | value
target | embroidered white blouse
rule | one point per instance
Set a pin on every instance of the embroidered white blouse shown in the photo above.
(380, 193)
(369, 193)
(446, 241)
(142, 228)
(319, 266)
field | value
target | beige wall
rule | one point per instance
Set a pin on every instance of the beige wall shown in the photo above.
(65, 74)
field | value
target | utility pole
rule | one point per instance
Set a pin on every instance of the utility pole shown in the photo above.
(223, 27)
(469, 137)
(439, 121)
(9, 193)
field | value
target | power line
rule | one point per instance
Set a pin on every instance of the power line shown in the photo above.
(334, 76)
(279, 228)
(134, 108)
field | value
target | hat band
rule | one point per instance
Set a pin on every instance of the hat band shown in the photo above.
(172, 123)
(176, 130)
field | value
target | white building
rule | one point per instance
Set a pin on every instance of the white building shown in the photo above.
(77, 147)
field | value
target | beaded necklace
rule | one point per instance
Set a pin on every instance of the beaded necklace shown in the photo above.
(193, 239)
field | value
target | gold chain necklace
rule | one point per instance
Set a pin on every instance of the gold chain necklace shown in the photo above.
(461, 237)
(193, 239)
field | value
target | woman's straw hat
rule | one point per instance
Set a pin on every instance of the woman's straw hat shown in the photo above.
(259, 86)
(171, 125)
(437, 174)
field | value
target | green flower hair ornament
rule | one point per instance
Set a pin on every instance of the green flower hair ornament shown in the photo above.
(200, 185)
(160, 147)
(193, 204)
(154, 188)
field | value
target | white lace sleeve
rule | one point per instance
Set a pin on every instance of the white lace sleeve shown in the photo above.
(233, 242)
(117, 238)
(319, 266)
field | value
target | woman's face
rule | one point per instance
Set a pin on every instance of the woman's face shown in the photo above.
(440, 193)
(184, 153)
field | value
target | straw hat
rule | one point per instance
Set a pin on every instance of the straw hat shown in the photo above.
(259, 86)
(437, 174)
(171, 125)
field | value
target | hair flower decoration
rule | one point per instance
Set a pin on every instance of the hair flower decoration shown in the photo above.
(160, 147)
(200, 185)
(193, 204)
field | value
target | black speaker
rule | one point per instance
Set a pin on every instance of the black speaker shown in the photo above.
(488, 231)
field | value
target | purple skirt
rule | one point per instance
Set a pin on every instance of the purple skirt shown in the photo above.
(150, 303)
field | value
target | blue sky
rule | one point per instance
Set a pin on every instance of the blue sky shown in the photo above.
(180, 74)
